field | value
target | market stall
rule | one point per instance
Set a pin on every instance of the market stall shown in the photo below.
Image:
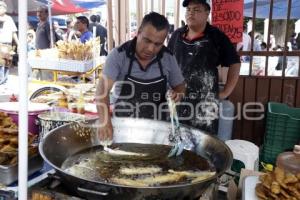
(69, 58)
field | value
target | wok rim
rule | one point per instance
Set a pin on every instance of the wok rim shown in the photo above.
(214, 177)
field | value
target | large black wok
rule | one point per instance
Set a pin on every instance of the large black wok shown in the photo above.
(63, 142)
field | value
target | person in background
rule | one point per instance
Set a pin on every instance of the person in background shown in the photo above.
(298, 40)
(43, 36)
(263, 46)
(71, 32)
(30, 41)
(256, 45)
(82, 25)
(273, 45)
(8, 33)
(200, 48)
(43, 40)
(245, 45)
(101, 32)
(293, 41)
(144, 70)
(58, 32)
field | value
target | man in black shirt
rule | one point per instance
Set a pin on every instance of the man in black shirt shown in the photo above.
(100, 32)
(199, 48)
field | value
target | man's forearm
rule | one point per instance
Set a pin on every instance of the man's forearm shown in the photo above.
(15, 37)
(102, 99)
(232, 79)
(103, 110)
(180, 89)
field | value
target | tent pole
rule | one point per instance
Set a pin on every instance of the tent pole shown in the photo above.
(51, 24)
(176, 14)
(109, 25)
(23, 101)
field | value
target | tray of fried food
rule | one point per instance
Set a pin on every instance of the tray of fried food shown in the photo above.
(9, 141)
(278, 184)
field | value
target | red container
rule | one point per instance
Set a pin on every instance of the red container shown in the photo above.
(34, 109)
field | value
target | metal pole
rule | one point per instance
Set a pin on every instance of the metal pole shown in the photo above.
(51, 24)
(23, 102)
(109, 24)
(176, 14)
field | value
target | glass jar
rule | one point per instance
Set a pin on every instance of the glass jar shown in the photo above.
(290, 161)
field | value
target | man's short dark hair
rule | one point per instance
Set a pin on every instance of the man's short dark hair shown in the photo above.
(157, 20)
(93, 18)
(84, 20)
(98, 18)
(42, 8)
(206, 5)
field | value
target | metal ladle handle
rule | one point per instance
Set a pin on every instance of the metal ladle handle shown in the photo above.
(89, 191)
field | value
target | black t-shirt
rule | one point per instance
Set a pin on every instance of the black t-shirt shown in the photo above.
(101, 32)
(227, 53)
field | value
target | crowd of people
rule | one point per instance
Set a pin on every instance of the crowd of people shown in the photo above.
(80, 29)
(276, 63)
(44, 36)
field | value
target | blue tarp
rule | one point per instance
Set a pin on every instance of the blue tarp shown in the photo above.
(89, 4)
(280, 8)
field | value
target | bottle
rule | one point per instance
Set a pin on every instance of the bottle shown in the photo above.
(290, 161)
(63, 101)
(80, 104)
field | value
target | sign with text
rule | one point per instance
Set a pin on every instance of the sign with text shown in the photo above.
(228, 16)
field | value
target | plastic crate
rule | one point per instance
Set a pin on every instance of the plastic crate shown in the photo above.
(282, 131)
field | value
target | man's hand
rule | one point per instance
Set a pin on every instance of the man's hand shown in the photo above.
(105, 133)
(177, 93)
(175, 96)
(222, 95)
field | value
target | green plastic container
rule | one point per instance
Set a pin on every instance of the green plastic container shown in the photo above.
(282, 131)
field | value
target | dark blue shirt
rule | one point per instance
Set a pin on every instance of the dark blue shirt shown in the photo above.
(86, 36)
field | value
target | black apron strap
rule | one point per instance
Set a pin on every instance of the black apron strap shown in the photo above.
(130, 65)
(160, 68)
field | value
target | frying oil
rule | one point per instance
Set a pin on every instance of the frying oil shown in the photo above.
(95, 164)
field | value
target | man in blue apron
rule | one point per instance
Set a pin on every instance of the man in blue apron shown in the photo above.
(141, 70)
(199, 48)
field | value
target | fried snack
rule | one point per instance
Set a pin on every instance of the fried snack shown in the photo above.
(139, 170)
(8, 148)
(261, 192)
(275, 187)
(32, 150)
(278, 185)
(298, 176)
(14, 160)
(13, 141)
(3, 158)
(128, 182)
(11, 130)
(148, 181)
(290, 178)
(297, 185)
(279, 175)
(267, 181)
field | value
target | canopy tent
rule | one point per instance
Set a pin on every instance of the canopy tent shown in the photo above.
(280, 8)
(58, 7)
(89, 4)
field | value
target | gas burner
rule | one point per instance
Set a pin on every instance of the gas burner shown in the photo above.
(48, 186)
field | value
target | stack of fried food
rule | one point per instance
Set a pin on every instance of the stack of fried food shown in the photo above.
(75, 50)
(9, 141)
(278, 184)
(6, 53)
